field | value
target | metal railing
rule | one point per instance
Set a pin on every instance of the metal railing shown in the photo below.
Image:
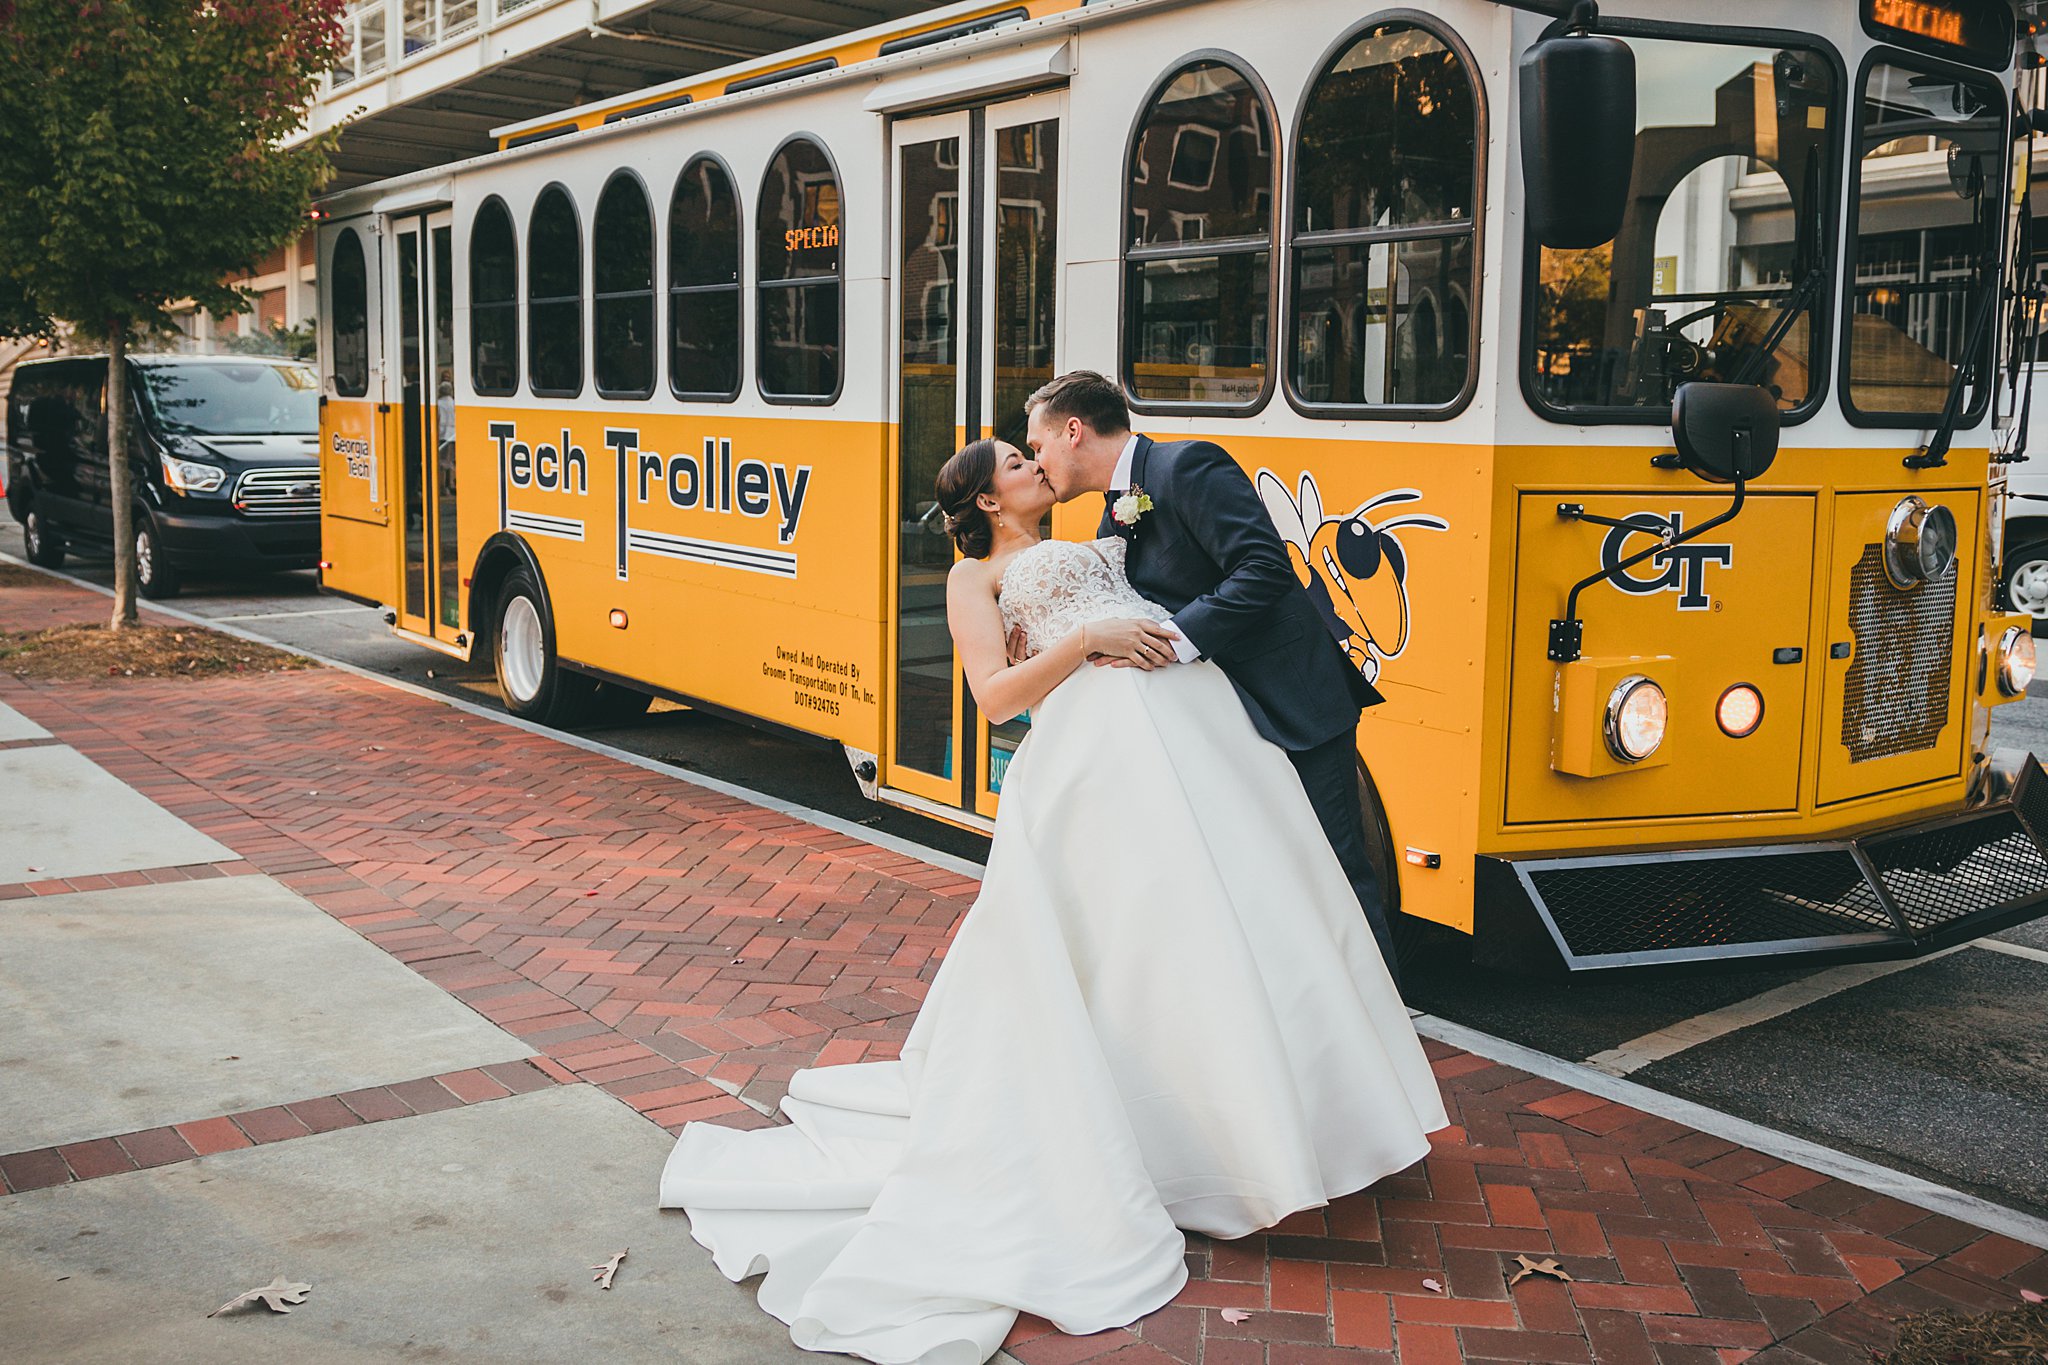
(385, 33)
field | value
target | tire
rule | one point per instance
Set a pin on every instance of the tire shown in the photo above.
(155, 576)
(1419, 944)
(617, 704)
(2026, 579)
(531, 678)
(45, 542)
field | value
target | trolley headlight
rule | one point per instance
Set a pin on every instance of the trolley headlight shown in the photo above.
(1637, 712)
(1919, 542)
(190, 476)
(1740, 711)
(2015, 660)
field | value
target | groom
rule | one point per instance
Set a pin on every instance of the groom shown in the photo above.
(1206, 551)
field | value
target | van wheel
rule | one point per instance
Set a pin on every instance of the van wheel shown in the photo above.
(153, 572)
(531, 678)
(45, 543)
(2026, 579)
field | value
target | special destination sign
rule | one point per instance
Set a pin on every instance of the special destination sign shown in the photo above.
(1976, 31)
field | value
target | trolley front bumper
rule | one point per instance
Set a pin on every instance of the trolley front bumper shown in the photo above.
(1890, 893)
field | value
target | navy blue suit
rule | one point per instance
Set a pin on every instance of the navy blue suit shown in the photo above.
(1208, 553)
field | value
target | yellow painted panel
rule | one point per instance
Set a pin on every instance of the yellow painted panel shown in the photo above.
(1717, 608)
(1891, 672)
(355, 537)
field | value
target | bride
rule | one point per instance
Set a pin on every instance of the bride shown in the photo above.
(1163, 1012)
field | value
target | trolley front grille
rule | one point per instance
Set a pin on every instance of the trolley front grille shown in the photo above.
(279, 493)
(1895, 699)
(1888, 894)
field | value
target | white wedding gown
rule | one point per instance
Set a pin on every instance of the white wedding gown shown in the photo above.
(1164, 1011)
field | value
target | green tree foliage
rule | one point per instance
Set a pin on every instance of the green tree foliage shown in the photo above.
(143, 162)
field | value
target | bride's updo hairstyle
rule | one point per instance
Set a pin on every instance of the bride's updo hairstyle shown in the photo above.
(970, 473)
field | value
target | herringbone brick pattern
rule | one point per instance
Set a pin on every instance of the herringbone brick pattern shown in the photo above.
(686, 952)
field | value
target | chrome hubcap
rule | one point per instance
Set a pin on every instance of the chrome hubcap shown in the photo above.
(2027, 585)
(32, 532)
(520, 656)
(142, 564)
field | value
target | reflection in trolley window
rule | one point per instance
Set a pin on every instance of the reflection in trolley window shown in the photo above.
(1198, 272)
(1726, 246)
(622, 259)
(1927, 222)
(554, 296)
(351, 295)
(704, 284)
(493, 302)
(1386, 172)
(797, 260)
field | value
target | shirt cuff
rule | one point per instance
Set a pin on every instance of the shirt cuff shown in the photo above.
(1183, 648)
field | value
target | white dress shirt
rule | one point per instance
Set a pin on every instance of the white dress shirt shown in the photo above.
(1120, 480)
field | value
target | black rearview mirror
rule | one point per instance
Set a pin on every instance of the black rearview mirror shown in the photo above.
(1725, 433)
(1578, 137)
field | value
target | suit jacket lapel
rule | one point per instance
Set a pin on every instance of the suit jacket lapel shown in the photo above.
(1138, 461)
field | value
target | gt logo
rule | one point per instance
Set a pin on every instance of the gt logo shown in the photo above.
(1681, 569)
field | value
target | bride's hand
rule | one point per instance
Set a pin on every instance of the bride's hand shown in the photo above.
(1133, 643)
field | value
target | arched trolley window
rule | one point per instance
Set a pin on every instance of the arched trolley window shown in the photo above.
(1384, 258)
(493, 301)
(349, 298)
(554, 296)
(704, 284)
(797, 259)
(622, 260)
(1198, 258)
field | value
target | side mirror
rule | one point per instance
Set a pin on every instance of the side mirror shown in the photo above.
(1578, 137)
(1725, 433)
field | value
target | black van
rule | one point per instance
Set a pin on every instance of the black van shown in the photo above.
(226, 463)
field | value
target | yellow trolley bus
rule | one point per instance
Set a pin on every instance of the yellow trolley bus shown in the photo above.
(649, 402)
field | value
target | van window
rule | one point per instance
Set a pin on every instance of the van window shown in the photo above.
(798, 261)
(230, 399)
(622, 255)
(349, 295)
(704, 284)
(493, 302)
(57, 411)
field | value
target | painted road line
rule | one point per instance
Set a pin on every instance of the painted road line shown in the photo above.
(1673, 1039)
(880, 839)
(1910, 1189)
(1999, 945)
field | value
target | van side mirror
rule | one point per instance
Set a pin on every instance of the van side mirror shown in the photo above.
(1725, 433)
(1578, 94)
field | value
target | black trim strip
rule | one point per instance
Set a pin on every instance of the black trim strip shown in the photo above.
(788, 73)
(672, 102)
(912, 41)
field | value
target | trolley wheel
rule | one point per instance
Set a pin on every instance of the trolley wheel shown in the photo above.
(45, 542)
(1419, 944)
(2026, 579)
(154, 574)
(531, 678)
(617, 704)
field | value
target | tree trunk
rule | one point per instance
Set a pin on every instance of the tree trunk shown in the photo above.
(120, 478)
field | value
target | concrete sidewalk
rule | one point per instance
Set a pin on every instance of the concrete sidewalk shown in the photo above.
(316, 978)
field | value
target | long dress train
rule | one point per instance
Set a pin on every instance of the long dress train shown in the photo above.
(1164, 1011)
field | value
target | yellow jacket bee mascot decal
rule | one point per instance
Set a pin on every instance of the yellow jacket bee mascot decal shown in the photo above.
(1353, 566)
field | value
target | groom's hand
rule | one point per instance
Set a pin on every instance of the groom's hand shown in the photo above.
(1135, 643)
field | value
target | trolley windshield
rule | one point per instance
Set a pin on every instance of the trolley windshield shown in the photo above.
(1721, 270)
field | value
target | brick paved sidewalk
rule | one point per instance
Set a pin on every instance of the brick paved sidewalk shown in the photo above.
(686, 951)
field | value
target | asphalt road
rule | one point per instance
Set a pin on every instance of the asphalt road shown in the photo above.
(1937, 1067)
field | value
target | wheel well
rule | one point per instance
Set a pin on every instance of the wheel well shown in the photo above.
(501, 554)
(2023, 531)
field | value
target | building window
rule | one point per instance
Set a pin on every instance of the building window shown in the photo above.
(351, 297)
(554, 296)
(1198, 265)
(704, 284)
(797, 258)
(493, 302)
(1386, 170)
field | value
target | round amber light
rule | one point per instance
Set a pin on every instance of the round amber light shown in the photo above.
(1740, 711)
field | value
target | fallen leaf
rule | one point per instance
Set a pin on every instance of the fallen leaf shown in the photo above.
(2031, 1297)
(1547, 1266)
(273, 1296)
(1432, 1286)
(1235, 1315)
(603, 1277)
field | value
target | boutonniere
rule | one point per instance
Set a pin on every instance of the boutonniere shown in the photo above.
(1126, 510)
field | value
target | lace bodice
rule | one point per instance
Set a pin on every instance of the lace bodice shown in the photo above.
(1057, 586)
